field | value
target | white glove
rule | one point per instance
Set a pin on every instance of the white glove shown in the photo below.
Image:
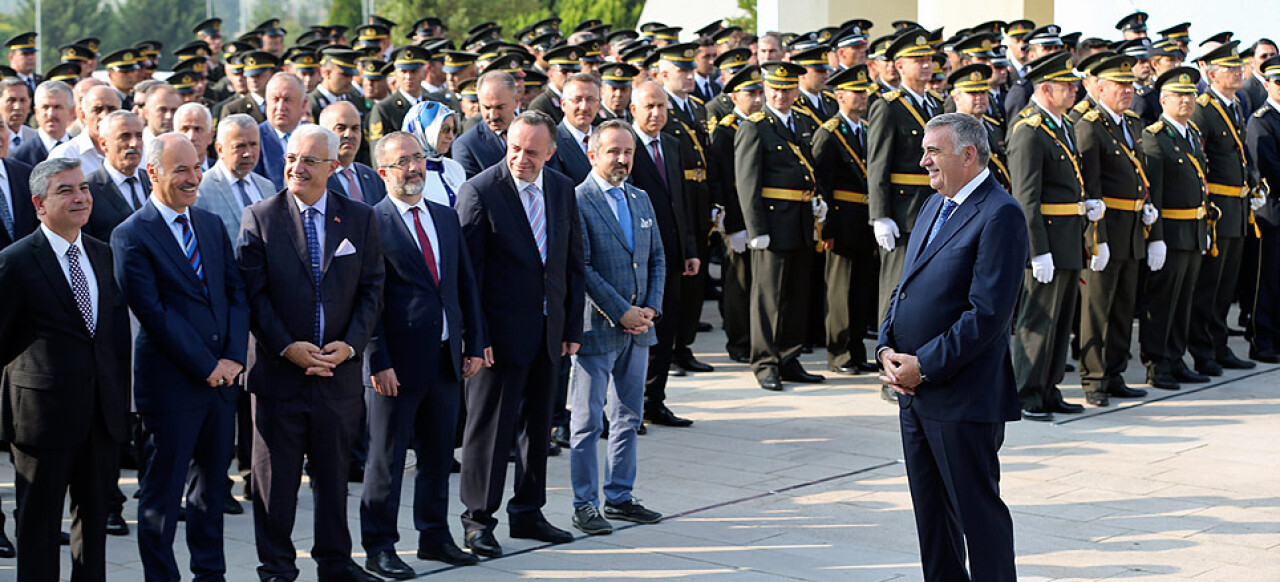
(1042, 268)
(1208, 241)
(759, 243)
(1149, 214)
(738, 242)
(819, 209)
(1094, 209)
(1257, 202)
(1156, 253)
(886, 232)
(717, 219)
(1099, 261)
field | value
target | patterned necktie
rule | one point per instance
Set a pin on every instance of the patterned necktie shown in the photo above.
(6, 216)
(657, 160)
(17, 141)
(624, 215)
(537, 220)
(948, 207)
(353, 186)
(313, 249)
(437, 166)
(192, 249)
(244, 193)
(428, 253)
(134, 199)
(80, 288)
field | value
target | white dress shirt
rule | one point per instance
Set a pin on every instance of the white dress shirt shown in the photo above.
(81, 148)
(119, 178)
(969, 187)
(170, 219)
(49, 142)
(578, 136)
(321, 205)
(250, 187)
(60, 246)
(524, 200)
(429, 226)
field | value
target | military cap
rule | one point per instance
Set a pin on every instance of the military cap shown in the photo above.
(543, 42)
(512, 63)
(979, 45)
(192, 50)
(1047, 35)
(184, 81)
(904, 25)
(621, 36)
(211, 28)
(345, 58)
(939, 61)
(483, 26)
(1168, 48)
(234, 64)
(935, 37)
(250, 38)
(455, 61)
(591, 50)
(258, 61)
(197, 66)
(410, 57)
(787, 37)
(467, 89)
(1223, 56)
(372, 68)
(1179, 80)
(814, 58)
(546, 25)
(311, 36)
(851, 35)
(533, 78)
(826, 33)
(75, 53)
(148, 48)
(914, 43)
(782, 75)
(1019, 28)
(854, 78)
(68, 72)
(1138, 48)
(733, 60)
(1179, 32)
(802, 42)
(651, 26)
(437, 46)
(1136, 22)
(1070, 40)
(236, 47)
(670, 33)
(1085, 66)
(993, 27)
(122, 60)
(725, 35)
(386, 23)
(681, 55)
(748, 79)
(302, 58)
(372, 33)
(567, 57)
(1117, 68)
(975, 78)
(1220, 38)
(92, 42)
(271, 28)
(23, 43)
(710, 29)
(1270, 68)
(618, 74)
(1247, 52)
(1056, 66)
(588, 24)
(877, 47)
(426, 27)
(318, 44)
(1001, 59)
(637, 56)
(7, 71)
(861, 23)
(482, 37)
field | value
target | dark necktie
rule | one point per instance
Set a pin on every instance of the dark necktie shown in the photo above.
(424, 242)
(17, 140)
(244, 193)
(657, 160)
(313, 249)
(437, 166)
(353, 186)
(134, 199)
(6, 216)
(948, 207)
(191, 249)
(80, 288)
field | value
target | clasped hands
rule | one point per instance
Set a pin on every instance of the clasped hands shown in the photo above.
(317, 361)
(637, 320)
(224, 373)
(901, 371)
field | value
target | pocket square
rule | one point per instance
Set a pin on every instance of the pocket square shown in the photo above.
(345, 248)
(646, 223)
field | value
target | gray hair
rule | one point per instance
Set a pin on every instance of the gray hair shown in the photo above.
(6, 84)
(616, 123)
(39, 181)
(966, 130)
(196, 106)
(106, 121)
(381, 145)
(155, 149)
(502, 78)
(56, 89)
(312, 130)
(237, 121)
(279, 78)
(143, 90)
(535, 118)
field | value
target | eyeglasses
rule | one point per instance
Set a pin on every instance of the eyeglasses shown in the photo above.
(307, 160)
(407, 162)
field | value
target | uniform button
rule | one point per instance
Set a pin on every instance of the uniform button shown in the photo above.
(635, 266)
(215, 337)
(902, 296)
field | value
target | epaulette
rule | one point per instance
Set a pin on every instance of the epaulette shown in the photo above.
(695, 99)
(1203, 99)
(1193, 126)
(1261, 111)
(992, 120)
(809, 112)
(829, 93)
(1032, 120)
(831, 124)
(1082, 107)
(1130, 113)
(1028, 111)
(730, 120)
(891, 95)
(935, 94)
(1156, 127)
(757, 117)
(1091, 116)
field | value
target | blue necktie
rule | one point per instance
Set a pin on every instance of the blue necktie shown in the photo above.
(947, 208)
(191, 249)
(624, 216)
(313, 248)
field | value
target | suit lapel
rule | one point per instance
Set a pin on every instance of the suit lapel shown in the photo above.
(293, 220)
(406, 241)
(333, 229)
(957, 221)
(117, 201)
(48, 261)
(602, 202)
(159, 231)
(101, 261)
(515, 205)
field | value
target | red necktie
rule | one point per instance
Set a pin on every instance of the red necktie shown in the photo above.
(427, 253)
(657, 159)
(353, 186)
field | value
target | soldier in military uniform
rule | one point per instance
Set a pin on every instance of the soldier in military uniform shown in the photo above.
(122, 67)
(1040, 42)
(234, 82)
(971, 94)
(729, 63)
(304, 63)
(1221, 120)
(896, 184)
(850, 45)
(258, 67)
(410, 63)
(1133, 26)
(1110, 145)
(840, 153)
(79, 55)
(22, 58)
(746, 93)
(814, 100)
(373, 80)
(337, 70)
(1048, 184)
(1175, 165)
(210, 32)
(615, 90)
(778, 192)
(1264, 143)
(561, 62)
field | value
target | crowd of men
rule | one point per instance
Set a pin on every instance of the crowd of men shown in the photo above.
(311, 258)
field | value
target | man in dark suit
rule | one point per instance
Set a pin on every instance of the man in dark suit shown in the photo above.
(175, 267)
(119, 187)
(1264, 143)
(525, 241)
(580, 103)
(64, 341)
(484, 145)
(54, 107)
(306, 383)
(285, 107)
(1255, 87)
(944, 348)
(353, 179)
(430, 337)
(17, 214)
(562, 62)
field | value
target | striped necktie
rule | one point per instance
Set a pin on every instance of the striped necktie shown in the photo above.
(191, 249)
(537, 220)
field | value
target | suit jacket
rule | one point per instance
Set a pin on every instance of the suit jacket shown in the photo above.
(186, 325)
(1228, 165)
(219, 195)
(954, 304)
(110, 207)
(386, 116)
(372, 187)
(514, 283)
(840, 162)
(720, 156)
(675, 215)
(316, 102)
(271, 158)
(768, 155)
(478, 148)
(1264, 145)
(569, 158)
(1255, 94)
(276, 266)
(413, 302)
(896, 131)
(22, 210)
(618, 275)
(57, 377)
(30, 152)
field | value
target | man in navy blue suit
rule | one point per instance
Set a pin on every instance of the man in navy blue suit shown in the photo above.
(286, 102)
(944, 347)
(17, 213)
(484, 145)
(354, 179)
(175, 267)
(431, 321)
(573, 134)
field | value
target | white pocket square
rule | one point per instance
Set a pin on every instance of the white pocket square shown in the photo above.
(646, 223)
(345, 248)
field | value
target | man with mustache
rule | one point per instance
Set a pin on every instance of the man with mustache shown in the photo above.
(118, 187)
(358, 181)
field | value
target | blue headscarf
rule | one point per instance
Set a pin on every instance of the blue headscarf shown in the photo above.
(424, 121)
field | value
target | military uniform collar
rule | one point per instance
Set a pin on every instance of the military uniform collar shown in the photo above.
(1180, 128)
(1054, 118)
(785, 119)
(1118, 118)
(1221, 97)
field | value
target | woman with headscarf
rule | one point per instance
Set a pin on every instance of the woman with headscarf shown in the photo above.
(433, 124)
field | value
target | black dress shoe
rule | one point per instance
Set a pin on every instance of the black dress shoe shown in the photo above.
(1097, 398)
(1037, 414)
(231, 506)
(388, 565)
(116, 525)
(676, 371)
(1233, 332)
(1264, 356)
(1120, 390)
(182, 513)
(794, 372)
(704, 327)
(553, 450)
(1065, 407)
(6, 547)
(1209, 368)
(770, 382)
(691, 364)
(1231, 362)
(541, 530)
(887, 394)
(64, 538)
(456, 467)
(1163, 382)
(845, 369)
(448, 553)
(1069, 367)
(642, 429)
(663, 416)
(867, 367)
(560, 435)
(482, 543)
(355, 474)
(739, 357)
(352, 573)
(1183, 374)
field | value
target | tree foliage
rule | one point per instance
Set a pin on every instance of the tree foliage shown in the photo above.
(747, 19)
(346, 12)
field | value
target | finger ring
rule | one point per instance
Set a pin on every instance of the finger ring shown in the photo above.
(222, 380)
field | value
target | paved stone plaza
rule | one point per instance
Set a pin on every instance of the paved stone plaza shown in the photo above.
(807, 485)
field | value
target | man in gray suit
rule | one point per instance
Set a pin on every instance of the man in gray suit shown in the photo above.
(625, 271)
(230, 185)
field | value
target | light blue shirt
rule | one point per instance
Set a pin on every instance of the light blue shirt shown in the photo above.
(605, 187)
(170, 219)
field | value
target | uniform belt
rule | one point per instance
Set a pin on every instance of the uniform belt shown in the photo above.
(1184, 213)
(909, 179)
(1063, 209)
(1129, 204)
(695, 175)
(848, 196)
(1225, 190)
(786, 194)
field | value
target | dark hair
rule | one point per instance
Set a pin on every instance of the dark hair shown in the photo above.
(616, 123)
(536, 119)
